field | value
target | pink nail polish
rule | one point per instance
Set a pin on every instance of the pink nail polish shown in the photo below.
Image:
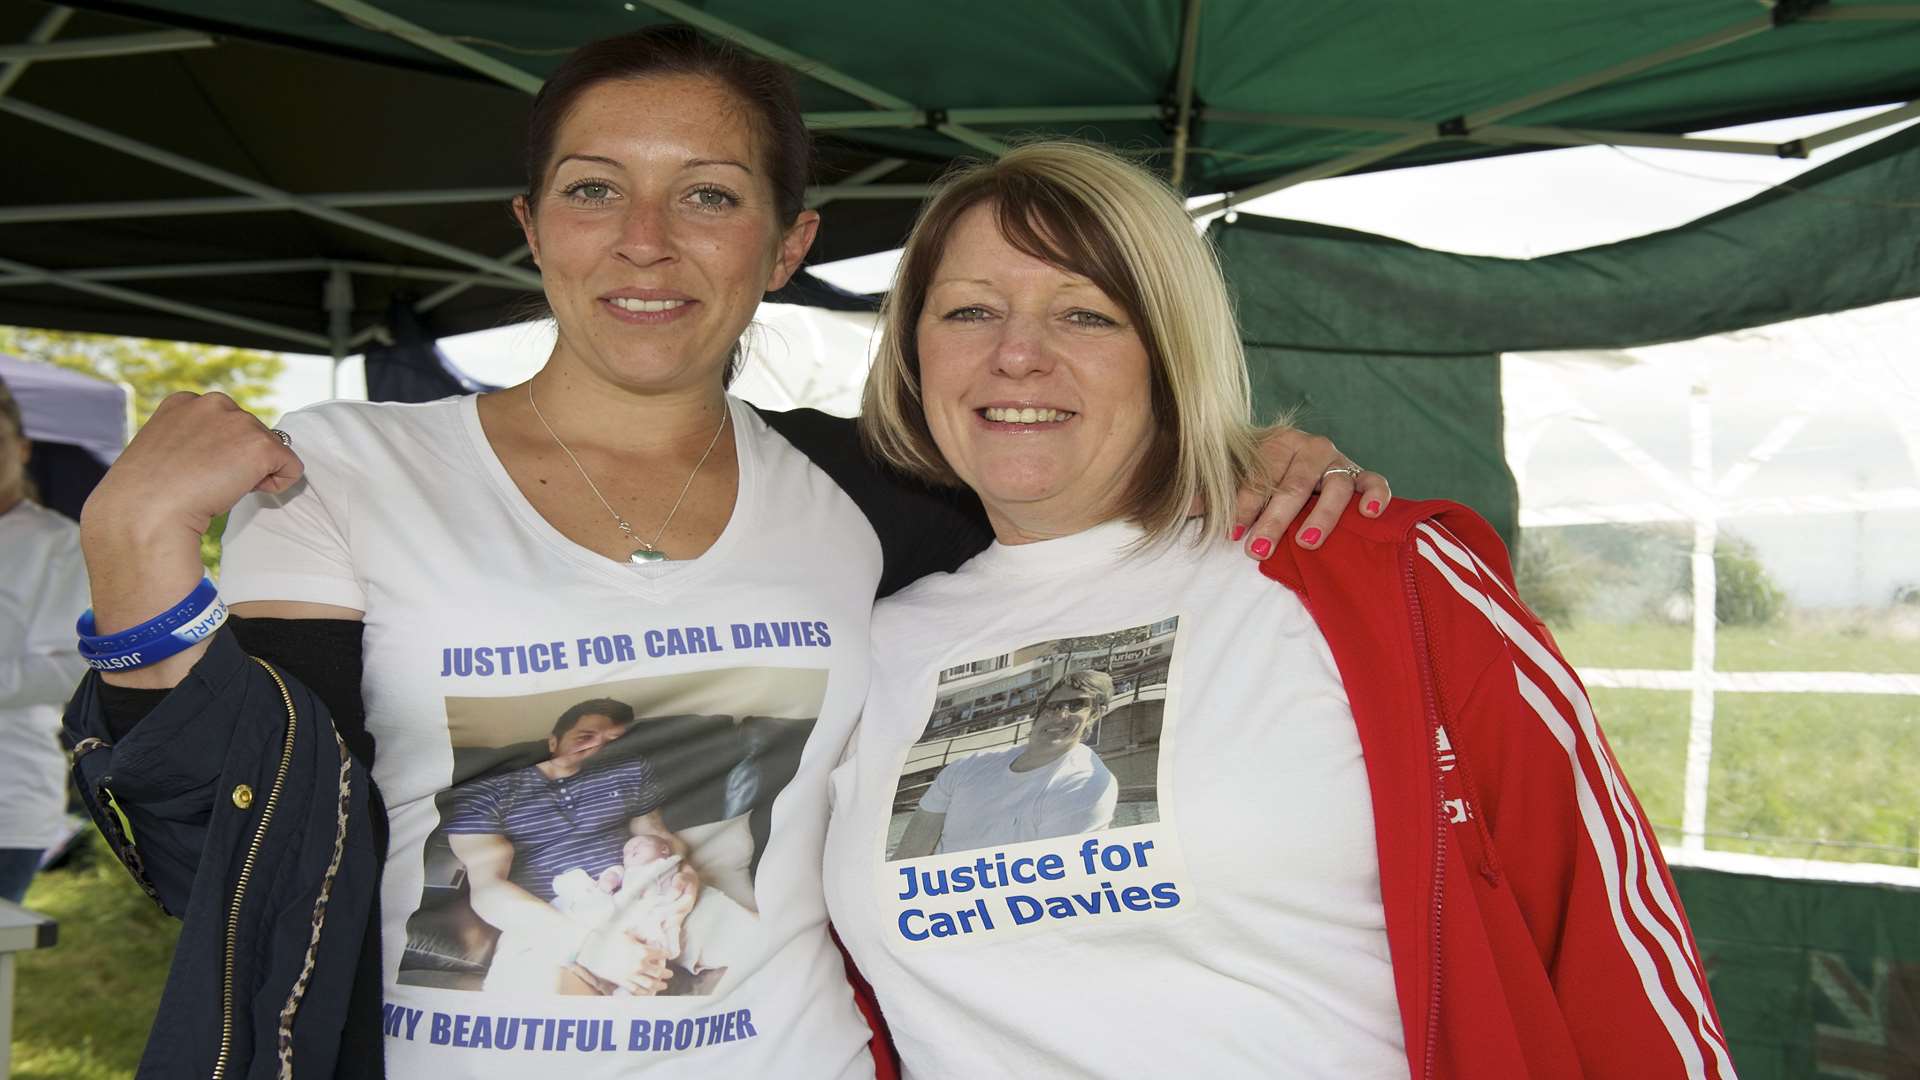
(1373, 506)
(1238, 532)
(1262, 548)
(1311, 536)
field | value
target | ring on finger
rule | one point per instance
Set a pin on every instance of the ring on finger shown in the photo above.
(286, 440)
(1349, 470)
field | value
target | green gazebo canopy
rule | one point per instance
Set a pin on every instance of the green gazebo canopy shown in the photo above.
(276, 172)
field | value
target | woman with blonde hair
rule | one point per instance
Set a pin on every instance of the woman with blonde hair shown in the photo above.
(1389, 838)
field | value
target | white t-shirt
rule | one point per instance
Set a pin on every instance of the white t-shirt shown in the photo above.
(985, 802)
(1227, 923)
(43, 590)
(485, 627)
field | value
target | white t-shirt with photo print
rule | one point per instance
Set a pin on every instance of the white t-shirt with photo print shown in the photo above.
(1241, 933)
(482, 625)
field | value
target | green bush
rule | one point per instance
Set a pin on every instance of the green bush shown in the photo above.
(1554, 579)
(1744, 593)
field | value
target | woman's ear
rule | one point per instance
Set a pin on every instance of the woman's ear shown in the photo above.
(794, 244)
(523, 213)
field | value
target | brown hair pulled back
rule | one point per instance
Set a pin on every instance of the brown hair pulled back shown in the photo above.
(763, 86)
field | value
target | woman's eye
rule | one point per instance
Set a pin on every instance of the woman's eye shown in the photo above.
(969, 313)
(713, 198)
(1090, 318)
(589, 190)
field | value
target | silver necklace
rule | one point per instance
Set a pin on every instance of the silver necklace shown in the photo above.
(647, 552)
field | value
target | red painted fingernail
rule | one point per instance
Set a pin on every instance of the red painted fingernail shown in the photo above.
(1238, 532)
(1311, 536)
(1262, 548)
(1373, 506)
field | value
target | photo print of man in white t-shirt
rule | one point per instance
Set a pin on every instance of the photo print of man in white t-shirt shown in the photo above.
(1055, 739)
(1052, 784)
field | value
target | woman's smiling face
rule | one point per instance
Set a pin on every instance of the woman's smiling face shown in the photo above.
(1035, 384)
(656, 231)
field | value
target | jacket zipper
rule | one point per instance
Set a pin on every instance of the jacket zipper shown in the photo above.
(246, 874)
(1424, 658)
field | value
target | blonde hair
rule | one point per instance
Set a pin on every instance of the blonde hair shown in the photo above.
(1091, 212)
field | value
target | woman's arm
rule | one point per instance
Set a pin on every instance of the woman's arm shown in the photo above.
(140, 530)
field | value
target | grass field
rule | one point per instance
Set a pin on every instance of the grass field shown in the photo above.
(1791, 646)
(1823, 776)
(82, 1008)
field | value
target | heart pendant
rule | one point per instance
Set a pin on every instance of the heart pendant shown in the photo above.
(642, 556)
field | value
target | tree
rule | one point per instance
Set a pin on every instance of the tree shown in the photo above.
(153, 369)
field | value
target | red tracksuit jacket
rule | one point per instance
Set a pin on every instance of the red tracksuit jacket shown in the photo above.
(1533, 927)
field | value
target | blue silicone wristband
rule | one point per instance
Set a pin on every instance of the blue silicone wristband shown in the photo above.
(178, 641)
(178, 628)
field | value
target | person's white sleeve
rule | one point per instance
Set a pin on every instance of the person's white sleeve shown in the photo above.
(44, 667)
(939, 794)
(296, 546)
(1084, 805)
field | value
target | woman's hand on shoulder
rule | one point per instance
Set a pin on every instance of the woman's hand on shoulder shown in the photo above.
(1299, 463)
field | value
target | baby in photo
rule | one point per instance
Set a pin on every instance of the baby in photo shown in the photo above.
(642, 896)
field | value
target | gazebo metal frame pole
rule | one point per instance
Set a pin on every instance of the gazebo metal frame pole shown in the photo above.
(239, 204)
(263, 192)
(160, 303)
(1861, 126)
(821, 195)
(1558, 136)
(817, 71)
(336, 296)
(1014, 114)
(267, 266)
(438, 44)
(435, 299)
(43, 32)
(1863, 13)
(1183, 92)
(1507, 133)
(112, 45)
